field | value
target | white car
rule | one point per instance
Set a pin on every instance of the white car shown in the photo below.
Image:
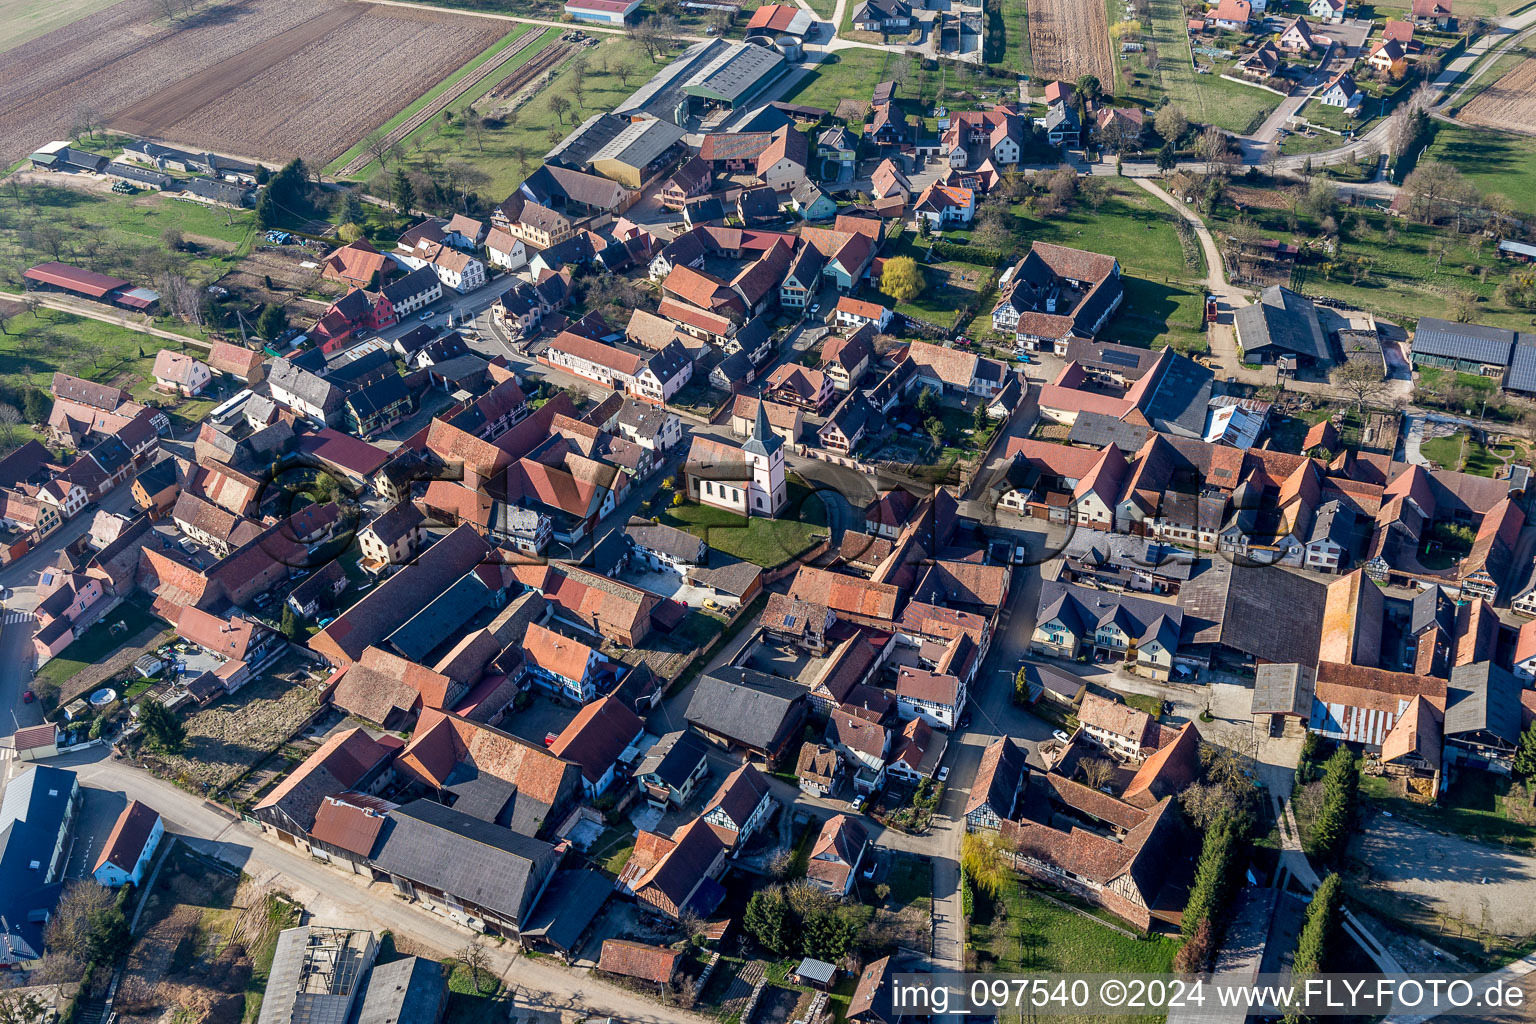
(1061, 736)
(856, 805)
(944, 773)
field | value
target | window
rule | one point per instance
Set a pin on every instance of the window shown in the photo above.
(759, 502)
(709, 488)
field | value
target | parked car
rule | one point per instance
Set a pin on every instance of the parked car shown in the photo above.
(426, 314)
(1020, 552)
(27, 696)
(1061, 735)
(944, 774)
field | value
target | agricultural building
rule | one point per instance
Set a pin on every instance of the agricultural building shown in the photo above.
(607, 12)
(713, 73)
(91, 285)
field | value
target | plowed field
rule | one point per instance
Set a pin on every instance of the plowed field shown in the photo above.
(1068, 39)
(259, 78)
(1509, 103)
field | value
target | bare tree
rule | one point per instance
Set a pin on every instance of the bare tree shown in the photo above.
(558, 105)
(378, 145)
(1097, 771)
(10, 419)
(475, 959)
(22, 1009)
(624, 69)
(474, 127)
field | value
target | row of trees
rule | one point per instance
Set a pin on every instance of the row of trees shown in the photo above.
(1223, 855)
(1331, 827)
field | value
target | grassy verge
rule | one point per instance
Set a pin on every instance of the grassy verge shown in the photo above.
(472, 1004)
(280, 914)
(1501, 65)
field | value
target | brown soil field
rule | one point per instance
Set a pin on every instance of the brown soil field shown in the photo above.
(1509, 103)
(1068, 39)
(257, 78)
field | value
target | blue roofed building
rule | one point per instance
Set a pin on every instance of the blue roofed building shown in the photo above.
(35, 819)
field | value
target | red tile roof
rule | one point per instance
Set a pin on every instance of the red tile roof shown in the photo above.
(597, 736)
(125, 845)
(637, 960)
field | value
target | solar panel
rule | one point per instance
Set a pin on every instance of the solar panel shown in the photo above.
(1115, 358)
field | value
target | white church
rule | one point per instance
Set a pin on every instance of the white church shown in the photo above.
(747, 480)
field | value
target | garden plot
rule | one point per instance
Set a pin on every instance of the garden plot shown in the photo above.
(234, 734)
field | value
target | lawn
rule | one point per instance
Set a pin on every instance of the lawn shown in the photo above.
(848, 74)
(121, 235)
(1474, 807)
(1142, 702)
(1206, 99)
(1445, 452)
(951, 285)
(1164, 302)
(765, 542)
(1390, 266)
(1038, 935)
(1007, 36)
(1500, 162)
(508, 154)
(468, 1004)
(95, 645)
(36, 345)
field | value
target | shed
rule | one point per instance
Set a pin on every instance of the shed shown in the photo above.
(816, 973)
(37, 742)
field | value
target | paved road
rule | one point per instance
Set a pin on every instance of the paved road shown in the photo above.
(338, 899)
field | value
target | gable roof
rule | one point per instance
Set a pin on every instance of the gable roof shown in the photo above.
(339, 764)
(597, 736)
(130, 834)
(998, 778)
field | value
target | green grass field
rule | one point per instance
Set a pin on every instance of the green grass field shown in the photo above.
(1164, 299)
(121, 235)
(765, 542)
(1472, 807)
(21, 20)
(1496, 162)
(1007, 36)
(1393, 267)
(1038, 935)
(508, 154)
(95, 645)
(1206, 99)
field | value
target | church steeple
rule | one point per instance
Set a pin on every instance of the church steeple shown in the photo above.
(763, 441)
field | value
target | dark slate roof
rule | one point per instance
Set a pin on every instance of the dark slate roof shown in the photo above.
(442, 616)
(422, 279)
(158, 477)
(1437, 337)
(567, 908)
(409, 991)
(1084, 609)
(490, 866)
(372, 399)
(317, 391)
(219, 191)
(1097, 430)
(1483, 698)
(667, 540)
(1431, 607)
(1283, 320)
(1335, 521)
(1180, 398)
(1522, 365)
(743, 704)
(673, 757)
(1238, 606)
